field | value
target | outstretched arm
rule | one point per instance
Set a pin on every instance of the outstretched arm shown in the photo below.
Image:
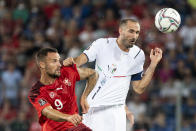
(140, 85)
(89, 55)
(58, 116)
(79, 61)
(92, 77)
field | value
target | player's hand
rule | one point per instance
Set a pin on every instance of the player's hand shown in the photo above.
(74, 119)
(69, 61)
(130, 117)
(155, 55)
(84, 104)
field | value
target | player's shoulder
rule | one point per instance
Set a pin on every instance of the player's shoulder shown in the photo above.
(106, 40)
(35, 90)
(68, 70)
(138, 52)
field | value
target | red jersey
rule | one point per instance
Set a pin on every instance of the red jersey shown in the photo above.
(60, 95)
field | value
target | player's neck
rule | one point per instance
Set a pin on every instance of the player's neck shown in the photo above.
(121, 46)
(46, 80)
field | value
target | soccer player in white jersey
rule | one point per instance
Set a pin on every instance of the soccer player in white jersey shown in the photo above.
(119, 62)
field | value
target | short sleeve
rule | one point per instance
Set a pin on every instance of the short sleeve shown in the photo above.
(92, 51)
(140, 59)
(137, 76)
(76, 72)
(39, 104)
(65, 70)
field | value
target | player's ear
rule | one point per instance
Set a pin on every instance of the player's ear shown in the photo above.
(42, 64)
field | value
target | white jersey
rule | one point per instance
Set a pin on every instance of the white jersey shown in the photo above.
(115, 68)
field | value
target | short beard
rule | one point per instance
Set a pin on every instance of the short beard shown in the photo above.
(53, 75)
(127, 46)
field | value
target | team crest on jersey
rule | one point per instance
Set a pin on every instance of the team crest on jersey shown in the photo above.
(67, 82)
(112, 68)
(51, 94)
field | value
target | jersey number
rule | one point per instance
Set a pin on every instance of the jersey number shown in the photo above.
(58, 104)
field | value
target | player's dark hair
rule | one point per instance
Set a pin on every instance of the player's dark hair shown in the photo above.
(42, 53)
(124, 21)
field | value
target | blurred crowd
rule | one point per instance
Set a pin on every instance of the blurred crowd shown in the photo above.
(71, 26)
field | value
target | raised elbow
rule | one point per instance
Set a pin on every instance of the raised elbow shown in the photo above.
(138, 90)
(94, 75)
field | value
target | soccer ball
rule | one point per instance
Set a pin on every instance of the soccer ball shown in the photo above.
(167, 20)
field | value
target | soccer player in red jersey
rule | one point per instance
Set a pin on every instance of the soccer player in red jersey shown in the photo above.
(53, 96)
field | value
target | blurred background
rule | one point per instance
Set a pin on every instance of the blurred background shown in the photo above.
(168, 104)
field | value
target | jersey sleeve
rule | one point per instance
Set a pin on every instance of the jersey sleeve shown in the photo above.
(137, 76)
(140, 62)
(65, 70)
(76, 72)
(92, 51)
(39, 104)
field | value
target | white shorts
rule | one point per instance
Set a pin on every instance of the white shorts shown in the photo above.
(107, 118)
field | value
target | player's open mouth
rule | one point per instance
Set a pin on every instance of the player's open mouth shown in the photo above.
(132, 41)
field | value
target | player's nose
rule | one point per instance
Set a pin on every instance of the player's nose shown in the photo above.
(59, 64)
(135, 35)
